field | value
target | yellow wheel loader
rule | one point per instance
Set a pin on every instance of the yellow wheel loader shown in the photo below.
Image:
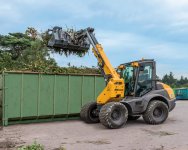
(132, 90)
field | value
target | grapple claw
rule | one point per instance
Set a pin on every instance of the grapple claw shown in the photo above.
(69, 40)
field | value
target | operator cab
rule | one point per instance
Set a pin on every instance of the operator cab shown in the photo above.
(139, 77)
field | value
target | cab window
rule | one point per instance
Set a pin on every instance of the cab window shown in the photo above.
(144, 79)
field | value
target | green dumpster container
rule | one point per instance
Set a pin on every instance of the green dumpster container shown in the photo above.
(181, 93)
(34, 97)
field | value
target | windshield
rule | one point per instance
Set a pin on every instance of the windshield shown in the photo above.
(129, 76)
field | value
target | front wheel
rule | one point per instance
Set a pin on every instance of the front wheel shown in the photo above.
(89, 113)
(156, 112)
(113, 115)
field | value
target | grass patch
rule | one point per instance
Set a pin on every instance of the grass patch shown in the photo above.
(34, 146)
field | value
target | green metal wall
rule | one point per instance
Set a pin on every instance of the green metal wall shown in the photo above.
(33, 97)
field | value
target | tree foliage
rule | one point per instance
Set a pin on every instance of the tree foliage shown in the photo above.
(20, 52)
(29, 52)
(173, 82)
(14, 43)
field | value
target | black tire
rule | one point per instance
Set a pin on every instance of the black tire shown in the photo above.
(133, 117)
(87, 113)
(156, 112)
(113, 115)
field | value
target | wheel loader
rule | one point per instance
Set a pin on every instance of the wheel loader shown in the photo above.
(132, 90)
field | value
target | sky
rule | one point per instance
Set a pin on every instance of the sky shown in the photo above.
(127, 29)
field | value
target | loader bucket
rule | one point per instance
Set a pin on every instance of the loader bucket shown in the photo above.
(68, 40)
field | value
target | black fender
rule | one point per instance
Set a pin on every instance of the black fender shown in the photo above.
(171, 103)
(159, 97)
(138, 105)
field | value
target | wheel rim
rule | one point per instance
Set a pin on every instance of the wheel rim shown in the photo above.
(158, 112)
(93, 113)
(116, 114)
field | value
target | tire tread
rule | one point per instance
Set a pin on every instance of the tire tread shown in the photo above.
(147, 116)
(84, 113)
(104, 115)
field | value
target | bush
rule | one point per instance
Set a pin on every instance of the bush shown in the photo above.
(34, 146)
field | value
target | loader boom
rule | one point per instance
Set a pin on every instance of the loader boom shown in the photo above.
(80, 40)
(114, 90)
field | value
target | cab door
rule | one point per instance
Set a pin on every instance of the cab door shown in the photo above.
(145, 81)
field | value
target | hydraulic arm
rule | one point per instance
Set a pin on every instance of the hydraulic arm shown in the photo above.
(80, 40)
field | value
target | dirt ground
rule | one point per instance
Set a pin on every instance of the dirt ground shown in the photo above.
(76, 135)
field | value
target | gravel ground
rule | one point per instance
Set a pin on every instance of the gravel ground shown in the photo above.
(76, 135)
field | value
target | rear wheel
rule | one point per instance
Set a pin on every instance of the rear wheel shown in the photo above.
(133, 117)
(113, 115)
(156, 113)
(89, 113)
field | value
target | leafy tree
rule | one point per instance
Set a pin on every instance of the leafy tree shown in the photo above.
(173, 82)
(22, 52)
(14, 43)
(29, 52)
